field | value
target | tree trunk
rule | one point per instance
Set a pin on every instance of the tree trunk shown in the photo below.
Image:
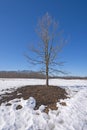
(47, 78)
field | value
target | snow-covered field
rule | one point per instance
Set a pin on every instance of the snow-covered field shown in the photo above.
(73, 116)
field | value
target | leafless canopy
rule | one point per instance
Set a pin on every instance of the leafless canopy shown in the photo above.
(47, 50)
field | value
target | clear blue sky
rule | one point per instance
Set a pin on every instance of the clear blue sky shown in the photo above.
(18, 20)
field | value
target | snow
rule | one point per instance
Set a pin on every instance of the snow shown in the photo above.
(16, 83)
(73, 116)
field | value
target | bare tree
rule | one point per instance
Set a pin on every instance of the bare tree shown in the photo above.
(47, 50)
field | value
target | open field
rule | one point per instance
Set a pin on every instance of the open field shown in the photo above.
(25, 104)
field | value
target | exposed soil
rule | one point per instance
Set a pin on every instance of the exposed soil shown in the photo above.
(48, 96)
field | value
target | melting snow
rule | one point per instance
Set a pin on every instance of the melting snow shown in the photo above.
(73, 116)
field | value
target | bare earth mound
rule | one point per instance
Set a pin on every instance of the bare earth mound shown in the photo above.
(48, 96)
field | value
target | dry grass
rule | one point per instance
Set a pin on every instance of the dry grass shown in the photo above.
(48, 96)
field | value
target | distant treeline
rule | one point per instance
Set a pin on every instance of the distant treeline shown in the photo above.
(32, 74)
(70, 77)
(21, 74)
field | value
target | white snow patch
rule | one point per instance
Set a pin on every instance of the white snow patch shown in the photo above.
(73, 116)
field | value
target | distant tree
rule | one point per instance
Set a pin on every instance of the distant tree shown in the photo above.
(47, 50)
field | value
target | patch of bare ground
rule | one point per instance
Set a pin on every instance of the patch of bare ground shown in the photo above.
(48, 96)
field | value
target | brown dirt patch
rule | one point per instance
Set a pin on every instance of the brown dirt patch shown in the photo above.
(48, 96)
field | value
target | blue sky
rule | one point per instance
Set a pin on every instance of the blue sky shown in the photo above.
(18, 20)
